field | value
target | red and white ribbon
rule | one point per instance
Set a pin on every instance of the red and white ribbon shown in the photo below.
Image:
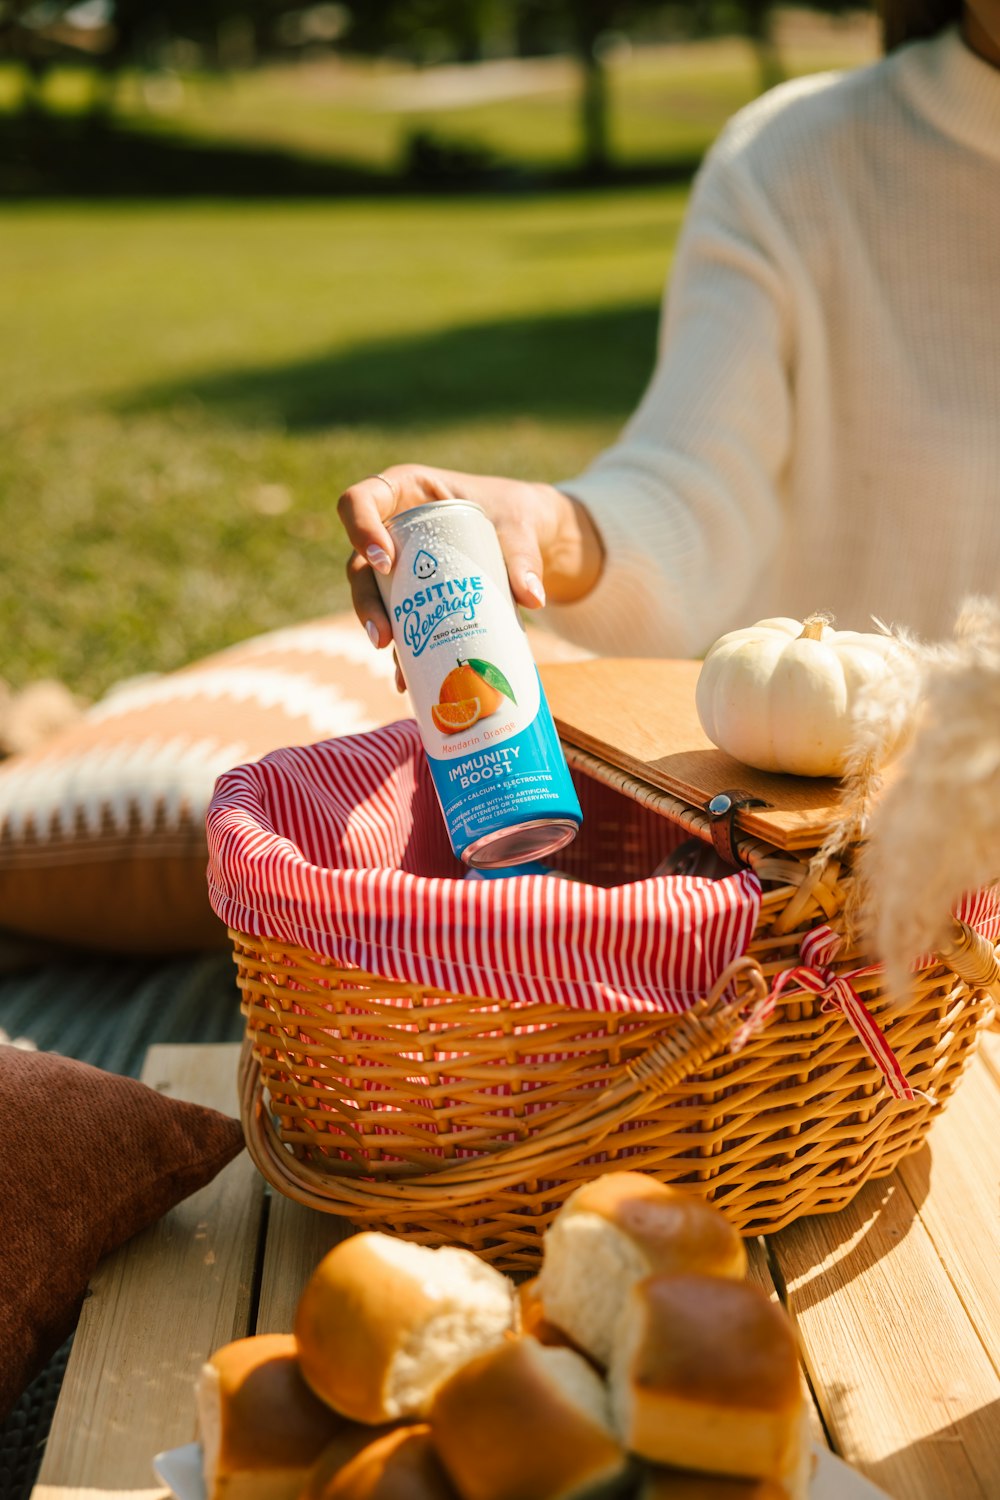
(979, 910)
(814, 976)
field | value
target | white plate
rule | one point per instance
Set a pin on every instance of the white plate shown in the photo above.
(835, 1480)
(180, 1471)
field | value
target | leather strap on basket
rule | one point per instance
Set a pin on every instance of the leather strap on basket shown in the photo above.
(722, 810)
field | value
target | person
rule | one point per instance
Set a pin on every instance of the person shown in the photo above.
(822, 428)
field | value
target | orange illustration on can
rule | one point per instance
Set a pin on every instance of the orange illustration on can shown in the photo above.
(472, 690)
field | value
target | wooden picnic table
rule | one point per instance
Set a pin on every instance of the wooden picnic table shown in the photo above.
(896, 1300)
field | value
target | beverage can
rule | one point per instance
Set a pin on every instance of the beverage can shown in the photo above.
(498, 767)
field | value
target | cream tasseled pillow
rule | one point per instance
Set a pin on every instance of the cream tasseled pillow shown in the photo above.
(102, 839)
(102, 828)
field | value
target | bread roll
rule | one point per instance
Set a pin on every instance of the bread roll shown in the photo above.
(612, 1232)
(260, 1425)
(534, 1320)
(400, 1465)
(705, 1376)
(528, 1422)
(336, 1455)
(382, 1322)
(685, 1484)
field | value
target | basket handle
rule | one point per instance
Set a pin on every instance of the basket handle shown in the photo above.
(696, 1037)
(974, 959)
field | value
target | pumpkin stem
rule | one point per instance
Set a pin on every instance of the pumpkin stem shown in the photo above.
(813, 627)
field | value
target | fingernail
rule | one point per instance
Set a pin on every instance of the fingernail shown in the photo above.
(372, 630)
(535, 587)
(379, 558)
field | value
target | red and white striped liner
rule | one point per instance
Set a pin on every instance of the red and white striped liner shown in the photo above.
(979, 910)
(341, 848)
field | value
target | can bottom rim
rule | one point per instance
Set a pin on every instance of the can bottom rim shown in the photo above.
(520, 844)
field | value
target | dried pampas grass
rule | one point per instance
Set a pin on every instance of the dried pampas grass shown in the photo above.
(882, 721)
(935, 833)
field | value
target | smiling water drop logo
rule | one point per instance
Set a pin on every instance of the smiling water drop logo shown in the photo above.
(424, 565)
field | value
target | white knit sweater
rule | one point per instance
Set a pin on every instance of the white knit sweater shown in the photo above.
(822, 430)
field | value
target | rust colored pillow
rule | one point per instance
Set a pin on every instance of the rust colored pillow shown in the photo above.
(89, 1158)
(102, 828)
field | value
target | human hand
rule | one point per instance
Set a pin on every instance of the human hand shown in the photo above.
(550, 545)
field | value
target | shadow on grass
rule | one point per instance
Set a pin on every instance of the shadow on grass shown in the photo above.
(562, 365)
(51, 156)
(43, 156)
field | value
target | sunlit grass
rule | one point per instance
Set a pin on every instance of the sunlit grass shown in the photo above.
(189, 388)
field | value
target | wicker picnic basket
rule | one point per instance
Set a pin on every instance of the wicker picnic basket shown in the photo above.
(484, 1114)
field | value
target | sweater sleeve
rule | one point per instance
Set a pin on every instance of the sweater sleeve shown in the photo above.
(687, 500)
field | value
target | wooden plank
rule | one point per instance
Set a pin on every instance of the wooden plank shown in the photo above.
(158, 1307)
(952, 1183)
(297, 1239)
(989, 1054)
(640, 716)
(73, 1492)
(760, 1273)
(907, 1391)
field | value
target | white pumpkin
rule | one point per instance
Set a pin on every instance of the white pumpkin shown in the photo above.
(780, 694)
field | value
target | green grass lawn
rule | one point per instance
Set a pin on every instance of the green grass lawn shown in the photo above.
(188, 386)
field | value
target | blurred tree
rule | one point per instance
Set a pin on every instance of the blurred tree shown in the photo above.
(39, 33)
(145, 30)
(589, 28)
(425, 30)
(467, 30)
(594, 23)
(759, 27)
(28, 35)
(235, 32)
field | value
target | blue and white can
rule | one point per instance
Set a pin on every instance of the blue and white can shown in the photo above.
(498, 767)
